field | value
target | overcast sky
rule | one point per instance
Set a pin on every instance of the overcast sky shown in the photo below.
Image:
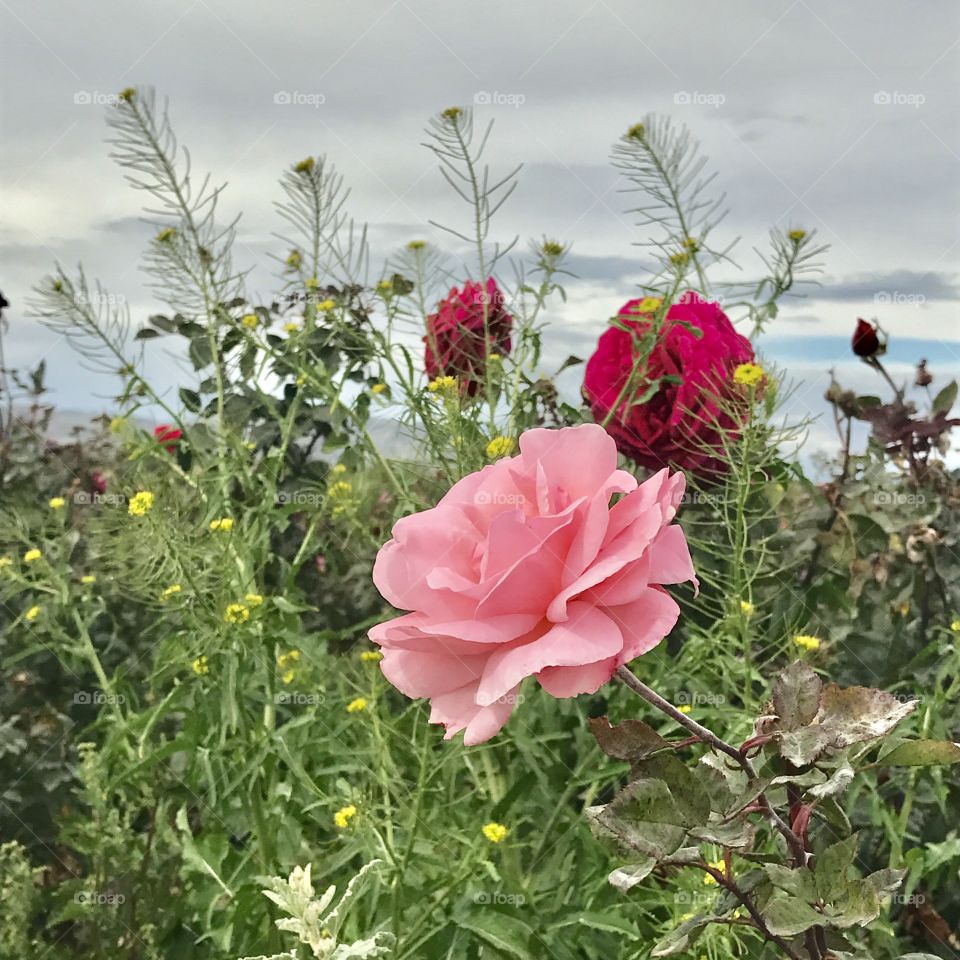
(838, 117)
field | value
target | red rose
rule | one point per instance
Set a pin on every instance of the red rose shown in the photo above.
(467, 328)
(865, 341)
(690, 368)
(98, 482)
(168, 436)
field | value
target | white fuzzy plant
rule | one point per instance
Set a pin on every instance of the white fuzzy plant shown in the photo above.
(318, 925)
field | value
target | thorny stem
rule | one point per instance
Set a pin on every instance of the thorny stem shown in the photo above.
(728, 883)
(709, 737)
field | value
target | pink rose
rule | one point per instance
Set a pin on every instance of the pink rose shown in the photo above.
(524, 569)
(689, 365)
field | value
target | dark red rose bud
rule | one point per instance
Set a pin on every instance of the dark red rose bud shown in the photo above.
(98, 482)
(168, 436)
(469, 330)
(865, 342)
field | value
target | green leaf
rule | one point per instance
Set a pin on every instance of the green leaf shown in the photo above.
(146, 333)
(682, 937)
(833, 865)
(630, 874)
(922, 753)
(798, 883)
(190, 399)
(945, 399)
(788, 916)
(631, 740)
(796, 695)
(610, 924)
(502, 932)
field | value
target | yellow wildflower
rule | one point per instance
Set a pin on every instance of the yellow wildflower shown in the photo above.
(167, 233)
(904, 608)
(495, 832)
(955, 626)
(749, 374)
(416, 245)
(57, 503)
(117, 424)
(127, 94)
(685, 708)
(288, 676)
(200, 665)
(552, 248)
(636, 132)
(305, 166)
(797, 235)
(294, 259)
(32, 614)
(747, 608)
(691, 244)
(371, 656)
(170, 591)
(291, 327)
(326, 305)
(140, 503)
(291, 656)
(236, 613)
(500, 447)
(649, 305)
(453, 114)
(5, 562)
(250, 320)
(223, 524)
(88, 578)
(343, 816)
(378, 388)
(253, 599)
(717, 865)
(680, 259)
(32, 555)
(301, 380)
(806, 642)
(340, 489)
(311, 283)
(684, 917)
(338, 468)
(447, 385)
(356, 706)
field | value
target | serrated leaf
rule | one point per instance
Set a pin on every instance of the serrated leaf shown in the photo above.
(630, 874)
(922, 753)
(788, 916)
(833, 865)
(631, 740)
(797, 882)
(796, 695)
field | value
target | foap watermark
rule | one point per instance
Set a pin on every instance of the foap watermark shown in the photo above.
(699, 496)
(899, 98)
(87, 498)
(293, 698)
(497, 98)
(101, 299)
(898, 298)
(699, 98)
(98, 698)
(299, 98)
(94, 98)
(690, 698)
(298, 498)
(99, 898)
(897, 498)
(497, 898)
(498, 499)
